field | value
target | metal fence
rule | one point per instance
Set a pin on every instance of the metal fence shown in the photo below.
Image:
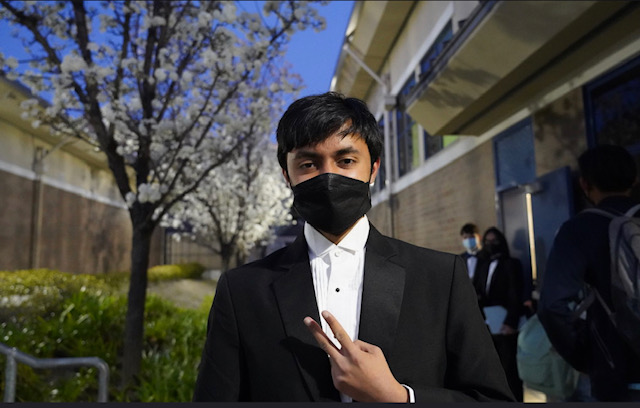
(15, 356)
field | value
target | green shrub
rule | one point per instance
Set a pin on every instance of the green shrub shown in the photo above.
(179, 271)
(81, 316)
(39, 291)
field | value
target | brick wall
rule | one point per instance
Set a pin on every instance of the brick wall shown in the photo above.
(15, 221)
(78, 235)
(430, 212)
(380, 217)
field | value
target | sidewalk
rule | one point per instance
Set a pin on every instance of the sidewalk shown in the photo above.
(186, 293)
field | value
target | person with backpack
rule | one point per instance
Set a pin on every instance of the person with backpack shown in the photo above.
(592, 268)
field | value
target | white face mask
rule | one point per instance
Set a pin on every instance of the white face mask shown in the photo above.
(470, 243)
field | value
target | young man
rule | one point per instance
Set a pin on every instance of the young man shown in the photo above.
(399, 323)
(579, 255)
(472, 245)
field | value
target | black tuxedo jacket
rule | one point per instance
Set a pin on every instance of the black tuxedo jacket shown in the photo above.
(505, 289)
(418, 306)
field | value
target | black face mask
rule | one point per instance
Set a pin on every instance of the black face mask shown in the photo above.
(331, 202)
(493, 249)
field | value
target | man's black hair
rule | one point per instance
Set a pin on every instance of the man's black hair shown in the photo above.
(469, 228)
(312, 119)
(609, 168)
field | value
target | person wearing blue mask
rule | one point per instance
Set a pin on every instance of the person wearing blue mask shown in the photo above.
(399, 323)
(472, 245)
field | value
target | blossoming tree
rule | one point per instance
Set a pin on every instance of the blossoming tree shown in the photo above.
(238, 204)
(161, 87)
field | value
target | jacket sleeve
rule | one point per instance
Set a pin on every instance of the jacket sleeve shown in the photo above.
(473, 372)
(561, 289)
(220, 372)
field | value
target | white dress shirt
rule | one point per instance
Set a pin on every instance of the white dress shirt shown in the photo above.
(492, 268)
(472, 262)
(338, 275)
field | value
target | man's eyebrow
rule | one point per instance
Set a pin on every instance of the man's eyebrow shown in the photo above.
(347, 150)
(311, 154)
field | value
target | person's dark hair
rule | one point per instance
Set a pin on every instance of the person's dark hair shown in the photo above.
(312, 119)
(503, 247)
(609, 168)
(469, 228)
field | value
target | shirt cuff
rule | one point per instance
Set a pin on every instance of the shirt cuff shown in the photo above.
(412, 396)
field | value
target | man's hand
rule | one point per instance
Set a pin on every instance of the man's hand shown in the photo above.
(358, 369)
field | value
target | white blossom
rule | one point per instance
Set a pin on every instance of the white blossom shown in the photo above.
(72, 63)
(11, 62)
(217, 81)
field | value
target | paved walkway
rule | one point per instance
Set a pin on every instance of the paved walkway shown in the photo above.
(186, 293)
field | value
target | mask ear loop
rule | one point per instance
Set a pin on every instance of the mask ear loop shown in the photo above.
(371, 183)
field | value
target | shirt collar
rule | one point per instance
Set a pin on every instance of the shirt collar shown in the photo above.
(354, 241)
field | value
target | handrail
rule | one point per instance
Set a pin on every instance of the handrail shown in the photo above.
(14, 355)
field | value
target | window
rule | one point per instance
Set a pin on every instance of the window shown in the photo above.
(433, 144)
(427, 62)
(612, 108)
(407, 133)
(514, 155)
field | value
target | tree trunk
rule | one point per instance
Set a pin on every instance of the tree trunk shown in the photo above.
(134, 324)
(226, 253)
(241, 258)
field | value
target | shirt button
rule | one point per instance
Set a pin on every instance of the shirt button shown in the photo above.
(337, 289)
(336, 254)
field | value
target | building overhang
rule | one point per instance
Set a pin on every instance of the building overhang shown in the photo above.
(371, 33)
(506, 53)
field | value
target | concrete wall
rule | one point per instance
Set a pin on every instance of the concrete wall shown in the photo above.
(559, 133)
(59, 205)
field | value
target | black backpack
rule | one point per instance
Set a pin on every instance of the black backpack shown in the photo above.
(624, 244)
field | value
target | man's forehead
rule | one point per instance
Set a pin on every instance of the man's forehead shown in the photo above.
(335, 141)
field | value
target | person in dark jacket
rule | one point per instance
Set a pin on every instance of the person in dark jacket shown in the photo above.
(472, 244)
(345, 313)
(580, 256)
(498, 284)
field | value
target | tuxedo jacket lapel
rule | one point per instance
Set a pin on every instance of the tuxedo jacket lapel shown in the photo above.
(382, 293)
(296, 300)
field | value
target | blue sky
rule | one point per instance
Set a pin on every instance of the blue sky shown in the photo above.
(314, 55)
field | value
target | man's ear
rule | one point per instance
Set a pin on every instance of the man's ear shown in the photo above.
(285, 174)
(374, 171)
(584, 185)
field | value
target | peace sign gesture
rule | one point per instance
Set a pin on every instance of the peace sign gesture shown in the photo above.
(358, 369)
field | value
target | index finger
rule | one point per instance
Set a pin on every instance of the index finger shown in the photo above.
(338, 331)
(321, 337)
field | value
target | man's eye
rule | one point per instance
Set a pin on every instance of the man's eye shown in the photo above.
(306, 165)
(347, 161)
